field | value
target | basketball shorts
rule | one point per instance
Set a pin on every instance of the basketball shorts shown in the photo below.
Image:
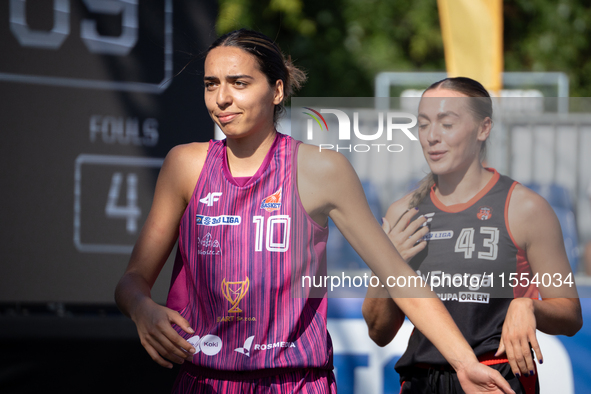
(193, 380)
(437, 381)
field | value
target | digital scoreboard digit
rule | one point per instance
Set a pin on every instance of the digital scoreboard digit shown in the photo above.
(124, 186)
(92, 99)
(86, 33)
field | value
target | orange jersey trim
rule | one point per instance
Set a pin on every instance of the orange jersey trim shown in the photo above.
(507, 216)
(522, 262)
(455, 208)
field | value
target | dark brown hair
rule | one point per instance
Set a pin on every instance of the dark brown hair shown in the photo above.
(270, 59)
(481, 107)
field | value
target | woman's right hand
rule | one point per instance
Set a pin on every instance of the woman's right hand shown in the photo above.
(161, 341)
(405, 235)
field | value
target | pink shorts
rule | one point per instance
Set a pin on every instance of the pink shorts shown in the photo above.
(304, 381)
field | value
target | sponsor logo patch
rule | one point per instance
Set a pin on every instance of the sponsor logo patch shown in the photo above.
(210, 345)
(245, 349)
(211, 198)
(273, 202)
(484, 213)
(434, 235)
(221, 220)
(480, 298)
(267, 346)
(429, 217)
(208, 246)
(234, 292)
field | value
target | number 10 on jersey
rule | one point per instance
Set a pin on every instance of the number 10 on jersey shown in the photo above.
(271, 244)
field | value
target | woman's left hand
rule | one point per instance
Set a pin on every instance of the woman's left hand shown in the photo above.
(519, 337)
(478, 378)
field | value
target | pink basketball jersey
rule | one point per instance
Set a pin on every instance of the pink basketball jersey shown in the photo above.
(242, 252)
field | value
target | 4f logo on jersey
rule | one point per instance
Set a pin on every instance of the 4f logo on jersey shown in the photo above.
(211, 198)
(273, 202)
(429, 217)
(485, 213)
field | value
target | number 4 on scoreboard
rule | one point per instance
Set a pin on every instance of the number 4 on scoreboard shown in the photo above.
(131, 211)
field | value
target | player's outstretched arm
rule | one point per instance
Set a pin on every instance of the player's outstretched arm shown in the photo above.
(328, 185)
(383, 317)
(174, 188)
(536, 229)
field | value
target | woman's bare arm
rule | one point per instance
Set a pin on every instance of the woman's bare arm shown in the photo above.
(382, 316)
(174, 187)
(328, 185)
(535, 229)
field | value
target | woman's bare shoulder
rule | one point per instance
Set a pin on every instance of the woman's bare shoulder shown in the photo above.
(182, 166)
(530, 215)
(323, 167)
(310, 156)
(525, 204)
(193, 151)
(187, 157)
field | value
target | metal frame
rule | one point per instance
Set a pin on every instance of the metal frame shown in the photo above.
(140, 87)
(133, 161)
(384, 80)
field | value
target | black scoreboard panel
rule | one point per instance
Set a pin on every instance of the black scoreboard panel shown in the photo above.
(90, 104)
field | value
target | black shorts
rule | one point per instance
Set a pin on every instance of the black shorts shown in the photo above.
(445, 381)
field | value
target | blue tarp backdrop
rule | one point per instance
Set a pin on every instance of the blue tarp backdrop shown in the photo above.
(363, 367)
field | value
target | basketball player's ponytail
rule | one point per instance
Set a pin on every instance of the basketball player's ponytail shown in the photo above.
(270, 59)
(422, 190)
(481, 107)
(295, 78)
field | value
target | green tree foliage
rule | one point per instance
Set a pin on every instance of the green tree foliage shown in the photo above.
(549, 35)
(342, 44)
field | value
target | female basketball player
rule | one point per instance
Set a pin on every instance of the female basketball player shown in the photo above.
(474, 222)
(250, 215)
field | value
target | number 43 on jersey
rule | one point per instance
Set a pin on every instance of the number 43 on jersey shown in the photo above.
(465, 243)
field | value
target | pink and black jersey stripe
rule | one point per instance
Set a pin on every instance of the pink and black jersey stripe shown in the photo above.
(242, 250)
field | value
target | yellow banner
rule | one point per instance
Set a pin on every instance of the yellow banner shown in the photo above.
(472, 33)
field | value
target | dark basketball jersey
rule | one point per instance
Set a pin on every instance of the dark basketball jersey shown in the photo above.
(469, 259)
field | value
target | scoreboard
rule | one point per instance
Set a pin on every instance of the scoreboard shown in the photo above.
(91, 100)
